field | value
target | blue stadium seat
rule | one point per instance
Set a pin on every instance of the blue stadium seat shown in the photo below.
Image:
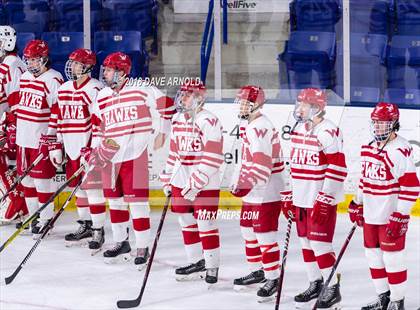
(129, 42)
(403, 97)
(310, 57)
(408, 17)
(131, 15)
(28, 15)
(22, 39)
(68, 15)
(403, 62)
(314, 15)
(61, 44)
(372, 16)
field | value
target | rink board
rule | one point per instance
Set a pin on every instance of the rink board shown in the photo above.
(353, 122)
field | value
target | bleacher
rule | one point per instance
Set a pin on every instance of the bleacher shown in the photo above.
(124, 24)
(384, 52)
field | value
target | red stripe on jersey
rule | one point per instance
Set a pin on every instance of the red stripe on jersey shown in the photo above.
(117, 100)
(131, 126)
(308, 171)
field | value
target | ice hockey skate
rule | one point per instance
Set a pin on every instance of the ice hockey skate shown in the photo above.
(381, 303)
(267, 292)
(81, 236)
(119, 253)
(191, 272)
(308, 296)
(246, 282)
(142, 257)
(98, 239)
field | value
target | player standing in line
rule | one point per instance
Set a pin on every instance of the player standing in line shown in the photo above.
(388, 189)
(261, 176)
(318, 171)
(122, 113)
(11, 69)
(192, 178)
(38, 92)
(71, 122)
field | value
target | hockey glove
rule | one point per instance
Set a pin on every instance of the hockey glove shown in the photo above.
(324, 208)
(398, 225)
(102, 155)
(165, 178)
(244, 186)
(286, 203)
(56, 154)
(44, 143)
(198, 180)
(85, 154)
(356, 213)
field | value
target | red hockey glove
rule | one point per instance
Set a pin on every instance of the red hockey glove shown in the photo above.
(398, 225)
(56, 154)
(286, 203)
(324, 208)
(101, 155)
(356, 213)
(44, 143)
(198, 180)
(243, 187)
(165, 178)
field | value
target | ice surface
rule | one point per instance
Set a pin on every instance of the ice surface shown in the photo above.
(57, 277)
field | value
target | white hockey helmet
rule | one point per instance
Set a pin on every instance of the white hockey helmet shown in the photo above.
(7, 39)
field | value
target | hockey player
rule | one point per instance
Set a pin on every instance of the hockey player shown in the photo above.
(71, 122)
(388, 189)
(11, 69)
(318, 171)
(191, 178)
(261, 177)
(38, 92)
(123, 112)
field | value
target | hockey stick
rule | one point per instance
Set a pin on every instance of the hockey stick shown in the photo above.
(47, 228)
(123, 304)
(283, 262)
(35, 215)
(334, 268)
(20, 178)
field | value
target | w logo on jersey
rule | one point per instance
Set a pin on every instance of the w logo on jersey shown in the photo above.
(212, 121)
(405, 151)
(333, 132)
(260, 133)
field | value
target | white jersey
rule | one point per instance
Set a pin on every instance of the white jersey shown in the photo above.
(262, 161)
(125, 117)
(317, 163)
(195, 144)
(37, 96)
(388, 181)
(11, 70)
(71, 115)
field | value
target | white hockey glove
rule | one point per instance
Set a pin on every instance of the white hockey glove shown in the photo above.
(198, 180)
(165, 178)
(56, 154)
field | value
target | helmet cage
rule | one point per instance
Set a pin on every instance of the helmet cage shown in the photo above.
(381, 130)
(304, 115)
(36, 64)
(73, 75)
(195, 104)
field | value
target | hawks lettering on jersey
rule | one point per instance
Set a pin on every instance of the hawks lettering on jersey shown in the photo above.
(196, 144)
(37, 96)
(388, 181)
(262, 161)
(317, 163)
(126, 117)
(11, 70)
(71, 115)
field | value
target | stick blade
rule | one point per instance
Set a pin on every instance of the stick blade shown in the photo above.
(125, 304)
(9, 280)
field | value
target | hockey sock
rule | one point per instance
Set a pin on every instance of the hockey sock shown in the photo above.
(270, 254)
(309, 259)
(252, 248)
(140, 212)
(325, 258)
(377, 269)
(191, 237)
(397, 273)
(45, 189)
(83, 208)
(31, 199)
(209, 235)
(97, 207)
(118, 211)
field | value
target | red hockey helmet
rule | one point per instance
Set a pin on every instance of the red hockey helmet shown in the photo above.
(190, 96)
(118, 61)
(385, 112)
(250, 98)
(84, 56)
(313, 96)
(36, 49)
(384, 120)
